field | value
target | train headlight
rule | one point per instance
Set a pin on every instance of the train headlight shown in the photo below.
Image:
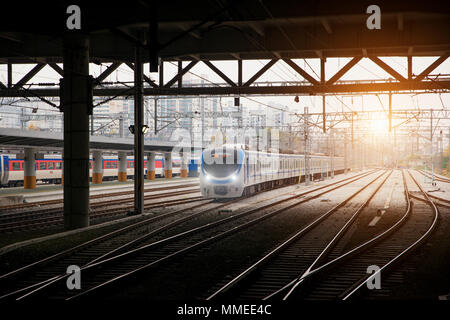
(207, 177)
(234, 177)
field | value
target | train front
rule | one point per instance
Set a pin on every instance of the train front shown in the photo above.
(222, 172)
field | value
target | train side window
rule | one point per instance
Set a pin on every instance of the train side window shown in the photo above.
(16, 166)
(114, 164)
(107, 164)
(51, 166)
(42, 165)
(58, 165)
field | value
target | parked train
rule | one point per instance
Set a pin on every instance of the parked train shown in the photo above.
(232, 171)
(48, 170)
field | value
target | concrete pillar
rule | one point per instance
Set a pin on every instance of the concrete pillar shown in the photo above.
(97, 167)
(123, 164)
(29, 168)
(76, 102)
(184, 165)
(151, 166)
(168, 165)
(62, 169)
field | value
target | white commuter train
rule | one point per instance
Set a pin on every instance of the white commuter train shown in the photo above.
(232, 171)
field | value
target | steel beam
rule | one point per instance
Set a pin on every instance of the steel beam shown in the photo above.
(9, 71)
(432, 66)
(260, 72)
(179, 76)
(390, 112)
(300, 71)
(410, 68)
(387, 68)
(107, 72)
(57, 68)
(240, 72)
(29, 75)
(322, 81)
(138, 135)
(180, 70)
(147, 79)
(343, 70)
(342, 88)
(220, 73)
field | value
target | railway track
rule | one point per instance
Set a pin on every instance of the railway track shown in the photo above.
(283, 273)
(49, 217)
(281, 265)
(437, 178)
(21, 206)
(110, 270)
(41, 272)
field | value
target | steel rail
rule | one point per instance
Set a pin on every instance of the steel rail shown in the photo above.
(406, 251)
(96, 196)
(54, 279)
(204, 242)
(273, 253)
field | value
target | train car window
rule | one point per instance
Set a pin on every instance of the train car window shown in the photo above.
(42, 165)
(114, 164)
(176, 164)
(51, 166)
(107, 164)
(16, 166)
(58, 165)
(131, 164)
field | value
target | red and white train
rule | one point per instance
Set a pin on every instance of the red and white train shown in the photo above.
(49, 169)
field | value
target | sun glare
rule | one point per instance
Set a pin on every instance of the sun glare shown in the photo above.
(379, 126)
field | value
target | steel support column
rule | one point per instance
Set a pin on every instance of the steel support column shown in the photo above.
(390, 111)
(322, 81)
(76, 130)
(138, 135)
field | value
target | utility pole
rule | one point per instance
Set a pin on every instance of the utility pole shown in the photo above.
(431, 146)
(156, 115)
(306, 138)
(395, 147)
(332, 149)
(441, 149)
(353, 146)
(92, 123)
(345, 153)
(202, 108)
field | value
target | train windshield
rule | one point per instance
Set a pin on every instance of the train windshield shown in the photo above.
(221, 163)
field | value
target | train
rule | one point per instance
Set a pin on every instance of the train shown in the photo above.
(232, 171)
(49, 169)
